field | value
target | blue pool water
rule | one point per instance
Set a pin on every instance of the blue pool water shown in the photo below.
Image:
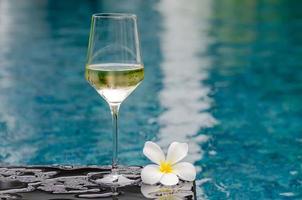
(225, 76)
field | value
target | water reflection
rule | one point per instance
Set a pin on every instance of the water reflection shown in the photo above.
(185, 95)
(160, 192)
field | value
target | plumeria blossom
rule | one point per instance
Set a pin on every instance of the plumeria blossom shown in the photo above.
(167, 170)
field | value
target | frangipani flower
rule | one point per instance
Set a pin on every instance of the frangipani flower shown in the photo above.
(168, 169)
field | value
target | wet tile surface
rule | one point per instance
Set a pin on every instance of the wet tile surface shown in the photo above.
(70, 183)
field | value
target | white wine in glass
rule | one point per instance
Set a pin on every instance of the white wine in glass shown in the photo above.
(114, 68)
(114, 81)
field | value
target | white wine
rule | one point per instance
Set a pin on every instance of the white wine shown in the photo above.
(114, 81)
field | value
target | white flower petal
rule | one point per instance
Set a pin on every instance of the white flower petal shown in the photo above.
(169, 179)
(150, 174)
(154, 152)
(186, 171)
(176, 152)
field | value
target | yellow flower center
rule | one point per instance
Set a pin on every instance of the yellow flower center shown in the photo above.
(165, 167)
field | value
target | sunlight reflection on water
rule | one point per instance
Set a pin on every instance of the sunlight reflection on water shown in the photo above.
(184, 95)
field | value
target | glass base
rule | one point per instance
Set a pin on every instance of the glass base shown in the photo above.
(123, 176)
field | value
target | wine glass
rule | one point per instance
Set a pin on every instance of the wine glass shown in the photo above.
(114, 69)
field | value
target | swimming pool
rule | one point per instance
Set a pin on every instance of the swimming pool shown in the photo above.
(230, 69)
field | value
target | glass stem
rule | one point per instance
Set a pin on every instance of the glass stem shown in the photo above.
(114, 112)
